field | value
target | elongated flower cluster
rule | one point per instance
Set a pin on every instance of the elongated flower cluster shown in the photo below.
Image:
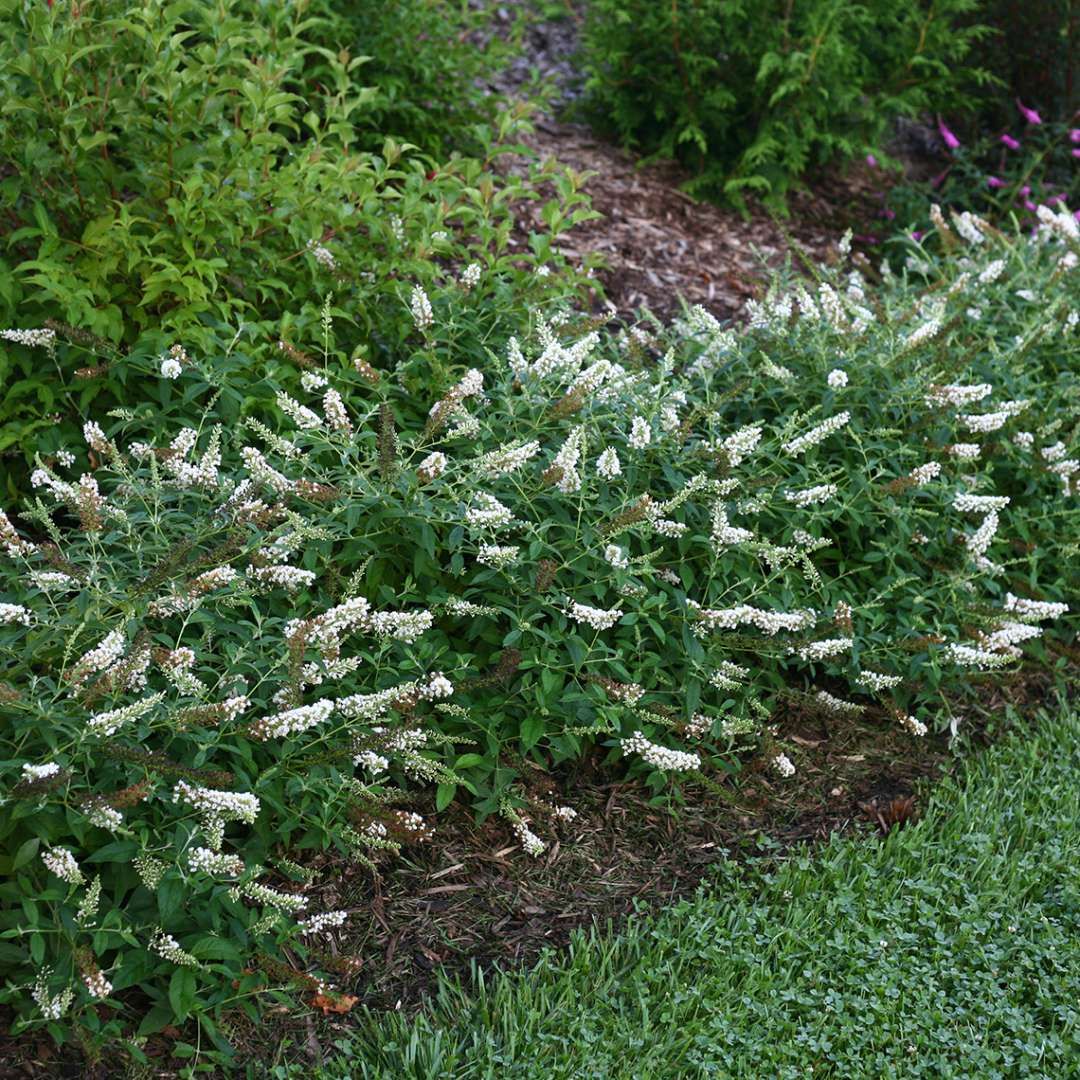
(531, 844)
(108, 723)
(293, 721)
(979, 504)
(15, 613)
(640, 433)
(660, 757)
(217, 863)
(823, 650)
(10, 540)
(742, 444)
(52, 1006)
(838, 705)
(1034, 610)
(597, 618)
(488, 513)
(226, 805)
(924, 474)
(319, 924)
(877, 681)
(970, 656)
(62, 863)
(607, 464)
(768, 622)
(810, 496)
(817, 434)
(33, 339)
(783, 765)
(956, 395)
(165, 945)
(912, 724)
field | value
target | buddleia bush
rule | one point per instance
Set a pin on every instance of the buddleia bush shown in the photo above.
(235, 645)
(753, 96)
(196, 169)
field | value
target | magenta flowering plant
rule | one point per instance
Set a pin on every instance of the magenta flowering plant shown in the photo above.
(1002, 175)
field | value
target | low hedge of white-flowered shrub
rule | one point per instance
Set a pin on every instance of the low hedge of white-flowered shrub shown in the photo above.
(229, 647)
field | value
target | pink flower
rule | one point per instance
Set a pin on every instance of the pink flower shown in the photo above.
(996, 182)
(1025, 191)
(1075, 151)
(1029, 206)
(872, 161)
(1030, 115)
(1054, 200)
(1074, 135)
(917, 236)
(947, 137)
(1010, 142)
(888, 214)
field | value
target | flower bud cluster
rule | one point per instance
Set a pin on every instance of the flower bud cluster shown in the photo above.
(1034, 610)
(822, 650)
(660, 757)
(226, 805)
(817, 434)
(597, 618)
(768, 622)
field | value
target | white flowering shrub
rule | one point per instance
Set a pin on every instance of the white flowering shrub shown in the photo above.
(231, 645)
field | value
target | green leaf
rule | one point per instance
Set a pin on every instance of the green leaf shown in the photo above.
(27, 850)
(182, 992)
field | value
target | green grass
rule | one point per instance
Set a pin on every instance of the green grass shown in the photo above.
(950, 949)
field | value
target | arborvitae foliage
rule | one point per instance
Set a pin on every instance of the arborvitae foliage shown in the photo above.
(753, 94)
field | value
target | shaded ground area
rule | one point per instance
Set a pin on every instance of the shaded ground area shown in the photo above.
(473, 898)
(952, 951)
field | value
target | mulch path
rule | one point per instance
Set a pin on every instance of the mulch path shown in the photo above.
(660, 245)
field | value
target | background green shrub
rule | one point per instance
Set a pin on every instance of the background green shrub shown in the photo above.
(1033, 51)
(866, 499)
(753, 95)
(198, 168)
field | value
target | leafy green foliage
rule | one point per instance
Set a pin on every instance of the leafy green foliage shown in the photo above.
(948, 950)
(195, 169)
(753, 95)
(431, 581)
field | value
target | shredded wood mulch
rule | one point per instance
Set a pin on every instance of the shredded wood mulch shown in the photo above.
(662, 248)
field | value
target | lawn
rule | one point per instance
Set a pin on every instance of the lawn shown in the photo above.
(949, 949)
